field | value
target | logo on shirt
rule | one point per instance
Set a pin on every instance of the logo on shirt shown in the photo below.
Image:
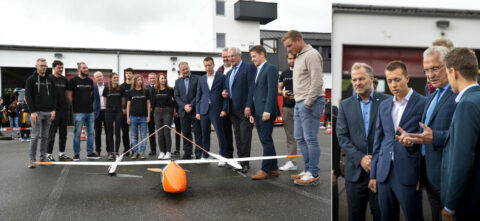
(139, 97)
(84, 86)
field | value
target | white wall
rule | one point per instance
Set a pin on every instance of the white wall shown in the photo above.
(106, 61)
(394, 30)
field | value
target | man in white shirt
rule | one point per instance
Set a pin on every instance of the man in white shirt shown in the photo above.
(99, 110)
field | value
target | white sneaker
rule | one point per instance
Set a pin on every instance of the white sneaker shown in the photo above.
(167, 156)
(222, 164)
(161, 155)
(307, 180)
(288, 166)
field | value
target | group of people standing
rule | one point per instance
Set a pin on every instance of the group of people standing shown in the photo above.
(239, 95)
(397, 146)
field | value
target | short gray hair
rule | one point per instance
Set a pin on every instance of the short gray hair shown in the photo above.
(443, 51)
(443, 42)
(182, 63)
(368, 68)
(237, 50)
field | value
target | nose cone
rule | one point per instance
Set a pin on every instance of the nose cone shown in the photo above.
(174, 178)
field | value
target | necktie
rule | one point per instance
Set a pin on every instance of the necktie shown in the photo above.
(258, 73)
(430, 111)
(232, 77)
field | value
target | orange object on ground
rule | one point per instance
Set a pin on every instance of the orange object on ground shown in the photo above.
(329, 128)
(83, 136)
(174, 178)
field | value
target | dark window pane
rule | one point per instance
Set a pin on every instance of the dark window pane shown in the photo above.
(220, 6)
(220, 40)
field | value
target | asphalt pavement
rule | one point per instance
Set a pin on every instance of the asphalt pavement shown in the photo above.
(213, 193)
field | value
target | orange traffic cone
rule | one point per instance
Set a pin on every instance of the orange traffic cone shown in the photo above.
(329, 128)
(83, 136)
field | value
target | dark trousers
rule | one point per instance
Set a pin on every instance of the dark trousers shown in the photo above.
(98, 130)
(163, 116)
(125, 133)
(227, 130)
(265, 130)
(433, 194)
(60, 123)
(151, 129)
(243, 134)
(216, 120)
(188, 123)
(392, 194)
(178, 138)
(24, 133)
(113, 126)
(358, 195)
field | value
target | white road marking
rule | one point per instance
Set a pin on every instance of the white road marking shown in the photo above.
(48, 210)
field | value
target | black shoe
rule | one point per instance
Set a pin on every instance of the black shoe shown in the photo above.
(176, 153)
(126, 153)
(245, 168)
(76, 157)
(152, 153)
(186, 157)
(64, 158)
(198, 156)
(93, 156)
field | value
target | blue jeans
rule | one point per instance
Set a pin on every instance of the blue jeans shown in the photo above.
(80, 119)
(307, 123)
(135, 123)
(13, 121)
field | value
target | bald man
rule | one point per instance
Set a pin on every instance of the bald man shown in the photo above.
(99, 110)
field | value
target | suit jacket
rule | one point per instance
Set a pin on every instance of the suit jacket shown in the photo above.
(151, 90)
(406, 159)
(439, 123)
(460, 180)
(351, 133)
(96, 99)
(265, 92)
(211, 99)
(182, 98)
(242, 87)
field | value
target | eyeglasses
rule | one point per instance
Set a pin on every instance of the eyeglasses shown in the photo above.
(435, 69)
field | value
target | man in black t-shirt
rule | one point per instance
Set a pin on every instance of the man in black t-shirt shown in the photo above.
(80, 94)
(60, 122)
(125, 87)
(285, 89)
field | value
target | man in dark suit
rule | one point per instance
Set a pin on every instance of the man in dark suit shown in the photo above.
(355, 131)
(239, 86)
(394, 167)
(227, 122)
(211, 106)
(460, 173)
(436, 119)
(152, 77)
(265, 108)
(99, 110)
(185, 92)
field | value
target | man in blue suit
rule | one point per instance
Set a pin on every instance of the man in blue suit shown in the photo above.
(355, 131)
(460, 179)
(239, 86)
(265, 108)
(211, 106)
(436, 120)
(185, 92)
(99, 110)
(396, 168)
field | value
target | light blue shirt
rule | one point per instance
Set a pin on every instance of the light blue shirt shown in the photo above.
(366, 108)
(186, 81)
(232, 77)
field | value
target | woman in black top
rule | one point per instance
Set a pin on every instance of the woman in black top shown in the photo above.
(163, 105)
(13, 114)
(138, 114)
(114, 101)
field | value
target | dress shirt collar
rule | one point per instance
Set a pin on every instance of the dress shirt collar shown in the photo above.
(406, 98)
(459, 96)
(369, 97)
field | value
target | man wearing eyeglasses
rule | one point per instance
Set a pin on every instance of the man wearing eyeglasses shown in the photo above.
(436, 120)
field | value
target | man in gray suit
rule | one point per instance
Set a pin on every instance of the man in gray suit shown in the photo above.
(185, 93)
(355, 132)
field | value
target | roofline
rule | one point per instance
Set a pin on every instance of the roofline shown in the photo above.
(105, 50)
(303, 32)
(395, 10)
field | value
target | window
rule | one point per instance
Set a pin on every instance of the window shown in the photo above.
(220, 7)
(326, 51)
(270, 45)
(221, 40)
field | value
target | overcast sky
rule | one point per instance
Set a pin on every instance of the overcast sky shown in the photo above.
(145, 24)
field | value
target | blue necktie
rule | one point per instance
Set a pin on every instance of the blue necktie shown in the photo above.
(232, 77)
(186, 80)
(430, 111)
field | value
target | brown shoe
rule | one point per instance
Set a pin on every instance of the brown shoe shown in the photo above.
(273, 172)
(260, 175)
(308, 180)
(297, 176)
